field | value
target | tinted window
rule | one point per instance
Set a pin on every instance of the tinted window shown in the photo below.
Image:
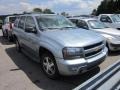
(105, 18)
(21, 22)
(74, 21)
(82, 24)
(12, 19)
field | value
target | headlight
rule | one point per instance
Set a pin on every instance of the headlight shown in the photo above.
(72, 53)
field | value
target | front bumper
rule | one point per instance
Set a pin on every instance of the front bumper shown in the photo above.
(114, 45)
(77, 66)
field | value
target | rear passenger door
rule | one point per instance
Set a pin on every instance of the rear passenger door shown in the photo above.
(20, 30)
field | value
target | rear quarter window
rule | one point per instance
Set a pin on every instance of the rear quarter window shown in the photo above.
(21, 23)
(12, 19)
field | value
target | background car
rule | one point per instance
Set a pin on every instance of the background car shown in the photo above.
(110, 20)
(8, 27)
(111, 35)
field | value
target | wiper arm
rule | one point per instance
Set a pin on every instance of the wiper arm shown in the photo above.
(52, 28)
(69, 27)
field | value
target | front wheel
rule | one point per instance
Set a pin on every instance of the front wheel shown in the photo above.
(49, 66)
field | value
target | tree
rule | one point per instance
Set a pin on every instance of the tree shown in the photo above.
(64, 14)
(37, 10)
(102, 8)
(94, 12)
(108, 6)
(48, 11)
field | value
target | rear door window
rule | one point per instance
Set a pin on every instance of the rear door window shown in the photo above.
(21, 24)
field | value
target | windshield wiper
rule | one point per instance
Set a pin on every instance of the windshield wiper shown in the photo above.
(69, 27)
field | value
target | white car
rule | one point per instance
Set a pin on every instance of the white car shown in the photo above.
(111, 20)
(111, 35)
(7, 27)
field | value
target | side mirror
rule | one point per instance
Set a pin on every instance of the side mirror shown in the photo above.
(30, 30)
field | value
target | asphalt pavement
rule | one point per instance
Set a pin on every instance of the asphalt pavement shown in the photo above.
(18, 72)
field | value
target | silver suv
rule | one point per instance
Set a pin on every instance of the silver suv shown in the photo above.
(59, 46)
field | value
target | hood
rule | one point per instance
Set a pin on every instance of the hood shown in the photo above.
(110, 31)
(74, 37)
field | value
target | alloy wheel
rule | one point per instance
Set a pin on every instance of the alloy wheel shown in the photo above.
(49, 66)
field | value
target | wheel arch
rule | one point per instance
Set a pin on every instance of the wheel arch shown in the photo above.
(45, 50)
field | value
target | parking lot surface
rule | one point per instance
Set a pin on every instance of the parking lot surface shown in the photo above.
(18, 72)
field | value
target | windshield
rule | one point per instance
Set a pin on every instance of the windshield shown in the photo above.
(54, 22)
(115, 18)
(95, 24)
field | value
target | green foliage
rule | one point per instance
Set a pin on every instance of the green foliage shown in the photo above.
(37, 10)
(94, 12)
(46, 11)
(108, 6)
(64, 14)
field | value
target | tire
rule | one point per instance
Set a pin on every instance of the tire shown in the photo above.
(18, 48)
(49, 66)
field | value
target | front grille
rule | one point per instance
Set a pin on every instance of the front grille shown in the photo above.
(93, 50)
(93, 53)
(92, 46)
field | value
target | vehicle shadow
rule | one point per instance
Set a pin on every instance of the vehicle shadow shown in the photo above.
(35, 74)
(115, 53)
(4, 41)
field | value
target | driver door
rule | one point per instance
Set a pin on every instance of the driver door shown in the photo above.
(31, 40)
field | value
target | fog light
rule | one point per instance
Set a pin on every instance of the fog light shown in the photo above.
(74, 68)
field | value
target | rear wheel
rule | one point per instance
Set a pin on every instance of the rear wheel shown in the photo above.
(49, 66)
